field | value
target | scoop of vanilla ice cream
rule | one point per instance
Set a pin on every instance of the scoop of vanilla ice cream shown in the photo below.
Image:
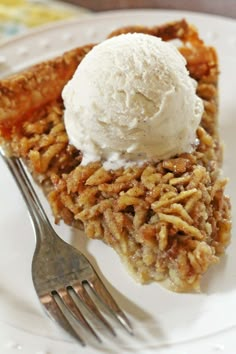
(131, 100)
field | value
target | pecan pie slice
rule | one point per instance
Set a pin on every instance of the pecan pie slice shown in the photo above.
(168, 220)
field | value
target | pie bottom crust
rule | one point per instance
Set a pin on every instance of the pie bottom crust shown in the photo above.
(168, 220)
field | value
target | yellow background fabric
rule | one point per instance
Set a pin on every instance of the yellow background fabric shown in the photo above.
(17, 16)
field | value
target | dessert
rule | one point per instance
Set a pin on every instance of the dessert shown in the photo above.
(131, 100)
(167, 219)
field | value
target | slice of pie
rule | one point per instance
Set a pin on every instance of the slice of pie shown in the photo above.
(167, 220)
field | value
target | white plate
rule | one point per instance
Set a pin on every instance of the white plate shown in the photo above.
(163, 321)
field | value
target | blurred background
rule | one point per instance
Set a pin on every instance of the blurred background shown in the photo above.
(17, 16)
(220, 7)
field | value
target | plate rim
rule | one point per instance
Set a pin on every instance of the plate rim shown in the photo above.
(103, 15)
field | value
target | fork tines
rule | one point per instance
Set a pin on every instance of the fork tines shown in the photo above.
(63, 303)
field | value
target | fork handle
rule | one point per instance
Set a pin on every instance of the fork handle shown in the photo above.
(38, 216)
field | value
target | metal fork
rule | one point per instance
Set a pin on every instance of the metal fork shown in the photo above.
(61, 274)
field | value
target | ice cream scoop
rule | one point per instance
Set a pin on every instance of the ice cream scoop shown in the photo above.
(132, 100)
